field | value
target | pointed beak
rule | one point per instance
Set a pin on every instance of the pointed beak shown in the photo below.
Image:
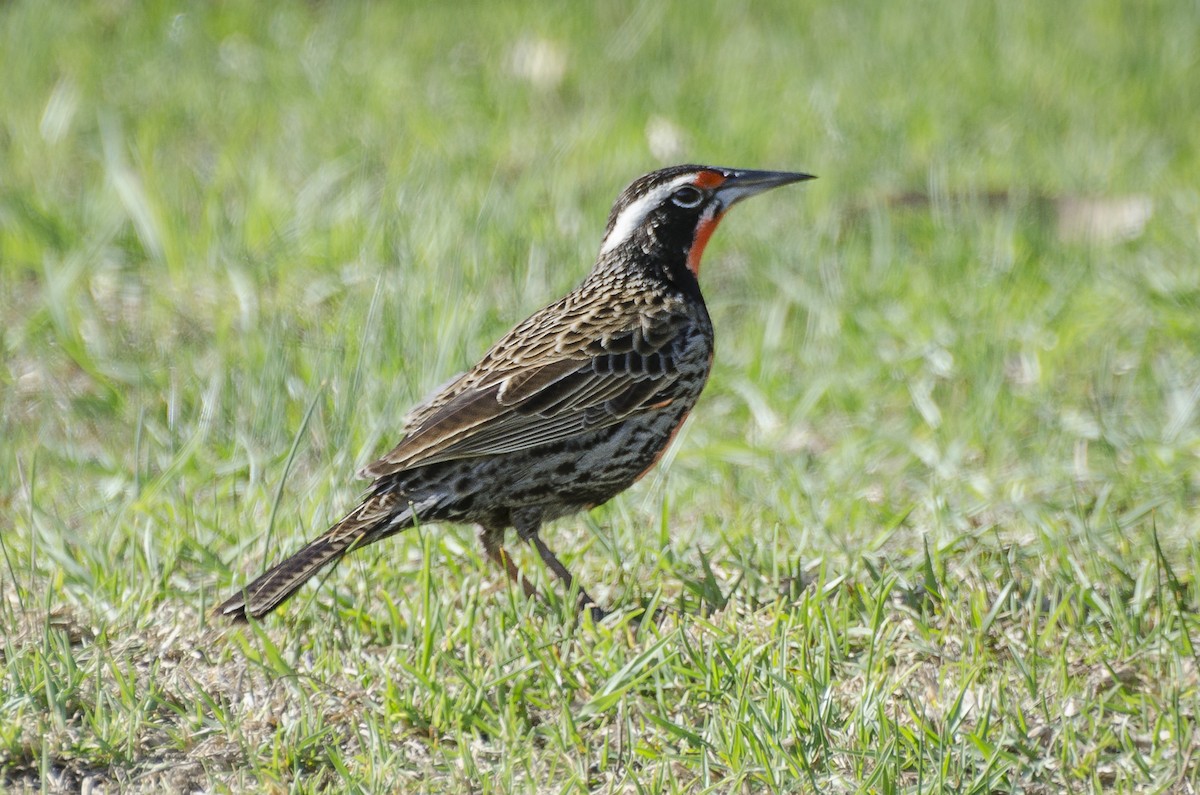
(740, 185)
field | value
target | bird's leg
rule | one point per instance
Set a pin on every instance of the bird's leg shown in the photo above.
(560, 571)
(491, 540)
(527, 522)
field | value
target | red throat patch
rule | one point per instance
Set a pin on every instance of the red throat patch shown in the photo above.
(704, 231)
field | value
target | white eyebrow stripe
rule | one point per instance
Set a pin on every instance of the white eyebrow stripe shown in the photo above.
(633, 215)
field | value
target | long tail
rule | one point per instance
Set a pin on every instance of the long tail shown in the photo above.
(375, 519)
(278, 584)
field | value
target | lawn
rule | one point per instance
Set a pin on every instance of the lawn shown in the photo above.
(934, 525)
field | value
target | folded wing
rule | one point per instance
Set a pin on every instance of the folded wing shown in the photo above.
(513, 401)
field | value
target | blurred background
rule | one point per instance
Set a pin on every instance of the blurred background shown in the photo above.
(215, 215)
(238, 241)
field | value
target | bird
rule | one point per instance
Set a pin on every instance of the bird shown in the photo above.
(566, 410)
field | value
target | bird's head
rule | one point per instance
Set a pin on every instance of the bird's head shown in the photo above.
(667, 216)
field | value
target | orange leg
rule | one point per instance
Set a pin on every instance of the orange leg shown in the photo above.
(492, 545)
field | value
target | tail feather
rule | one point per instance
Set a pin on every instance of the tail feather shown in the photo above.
(278, 584)
(382, 514)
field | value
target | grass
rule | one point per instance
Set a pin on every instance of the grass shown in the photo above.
(942, 487)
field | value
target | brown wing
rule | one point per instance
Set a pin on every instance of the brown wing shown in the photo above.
(571, 384)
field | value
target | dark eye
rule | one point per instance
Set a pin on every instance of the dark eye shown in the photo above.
(687, 196)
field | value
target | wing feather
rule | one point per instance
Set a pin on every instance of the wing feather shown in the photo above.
(521, 402)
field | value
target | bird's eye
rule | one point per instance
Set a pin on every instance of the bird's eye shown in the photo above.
(687, 196)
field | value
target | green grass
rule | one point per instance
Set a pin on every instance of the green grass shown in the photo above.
(942, 487)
